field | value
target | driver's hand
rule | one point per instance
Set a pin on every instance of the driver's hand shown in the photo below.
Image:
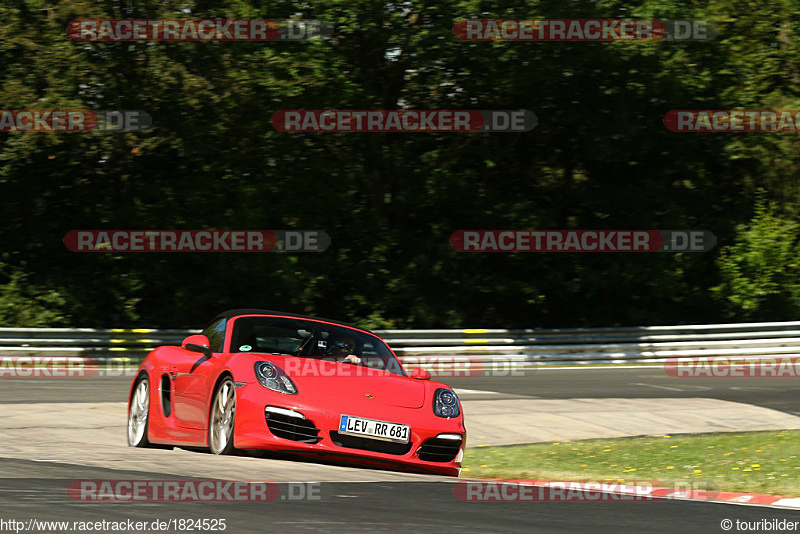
(352, 358)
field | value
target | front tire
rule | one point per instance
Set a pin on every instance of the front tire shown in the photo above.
(222, 418)
(139, 414)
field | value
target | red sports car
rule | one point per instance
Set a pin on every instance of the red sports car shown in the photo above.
(263, 380)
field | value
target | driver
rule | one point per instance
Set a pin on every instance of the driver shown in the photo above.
(344, 350)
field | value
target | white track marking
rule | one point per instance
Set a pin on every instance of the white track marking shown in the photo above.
(680, 388)
(576, 368)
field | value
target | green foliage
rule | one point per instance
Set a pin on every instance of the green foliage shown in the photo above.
(25, 305)
(760, 269)
(600, 158)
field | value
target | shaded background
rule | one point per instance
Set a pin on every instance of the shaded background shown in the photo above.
(600, 158)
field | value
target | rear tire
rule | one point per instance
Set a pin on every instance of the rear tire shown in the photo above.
(222, 417)
(139, 414)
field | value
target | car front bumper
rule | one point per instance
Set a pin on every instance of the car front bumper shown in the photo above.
(433, 446)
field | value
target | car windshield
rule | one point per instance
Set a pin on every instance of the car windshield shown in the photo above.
(311, 339)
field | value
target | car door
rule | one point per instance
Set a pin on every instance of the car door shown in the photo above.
(190, 380)
(192, 374)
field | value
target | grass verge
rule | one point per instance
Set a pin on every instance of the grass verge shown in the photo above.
(758, 462)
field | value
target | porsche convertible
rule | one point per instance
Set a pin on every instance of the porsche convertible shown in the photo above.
(263, 380)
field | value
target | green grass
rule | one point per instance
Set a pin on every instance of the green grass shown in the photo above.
(759, 462)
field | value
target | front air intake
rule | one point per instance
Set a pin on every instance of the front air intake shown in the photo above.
(439, 450)
(293, 427)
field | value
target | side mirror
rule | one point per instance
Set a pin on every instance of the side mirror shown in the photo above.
(197, 343)
(420, 374)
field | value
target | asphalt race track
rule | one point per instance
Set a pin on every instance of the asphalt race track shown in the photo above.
(777, 393)
(649, 382)
(358, 500)
(362, 507)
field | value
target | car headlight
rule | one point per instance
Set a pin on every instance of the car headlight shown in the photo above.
(271, 376)
(445, 403)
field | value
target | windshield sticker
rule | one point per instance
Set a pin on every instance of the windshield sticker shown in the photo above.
(245, 348)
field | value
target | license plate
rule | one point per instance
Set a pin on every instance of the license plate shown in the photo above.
(358, 426)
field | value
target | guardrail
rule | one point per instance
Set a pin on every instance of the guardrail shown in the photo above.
(515, 348)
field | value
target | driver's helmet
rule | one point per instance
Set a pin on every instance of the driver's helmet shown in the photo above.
(341, 348)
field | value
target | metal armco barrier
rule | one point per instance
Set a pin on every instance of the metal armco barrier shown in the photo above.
(510, 348)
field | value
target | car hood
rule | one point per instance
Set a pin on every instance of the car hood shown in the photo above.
(328, 382)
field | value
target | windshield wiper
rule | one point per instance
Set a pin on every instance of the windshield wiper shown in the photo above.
(278, 351)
